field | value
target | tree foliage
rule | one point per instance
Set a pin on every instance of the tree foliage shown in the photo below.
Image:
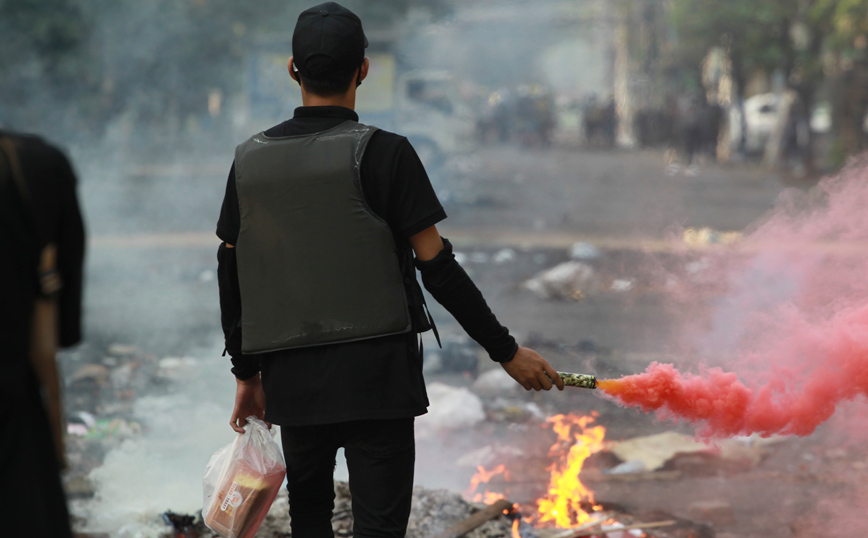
(756, 34)
(820, 46)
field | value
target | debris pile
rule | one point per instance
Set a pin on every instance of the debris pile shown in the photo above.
(433, 513)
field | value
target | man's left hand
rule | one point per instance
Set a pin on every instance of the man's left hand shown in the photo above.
(249, 400)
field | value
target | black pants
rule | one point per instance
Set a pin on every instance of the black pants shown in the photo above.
(380, 457)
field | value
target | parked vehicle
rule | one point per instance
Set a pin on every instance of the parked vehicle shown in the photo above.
(760, 117)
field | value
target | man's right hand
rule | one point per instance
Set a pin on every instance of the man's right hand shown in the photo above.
(532, 371)
(249, 400)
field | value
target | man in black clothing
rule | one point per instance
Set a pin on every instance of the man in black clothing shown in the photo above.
(360, 391)
(39, 214)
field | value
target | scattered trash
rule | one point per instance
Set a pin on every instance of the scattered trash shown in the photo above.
(747, 450)
(495, 382)
(86, 425)
(716, 512)
(627, 467)
(155, 529)
(584, 251)
(459, 355)
(653, 451)
(504, 256)
(567, 280)
(479, 257)
(181, 523)
(587, 346)
(451, 408)
(171, 363)
(176, 367)
(683, 453)
(697, 237)
(433, 511)
(622, 285)
(698, 266)
(122, 376)
(123, 349)
(78, 486)
(489, 455)
(76, 428)
(502, 410)
(80, 423)
(113, 428)
(96, 373)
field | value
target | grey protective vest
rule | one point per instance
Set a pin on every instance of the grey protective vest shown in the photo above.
(315, 264)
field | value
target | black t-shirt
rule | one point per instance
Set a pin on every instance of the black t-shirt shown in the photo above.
(52, 214)
(371, 379)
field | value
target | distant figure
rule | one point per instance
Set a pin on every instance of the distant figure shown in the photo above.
(691, 130)
(711, 117)
(42, 240)
(599, 122)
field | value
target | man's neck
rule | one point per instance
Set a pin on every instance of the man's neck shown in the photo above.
(347, 100)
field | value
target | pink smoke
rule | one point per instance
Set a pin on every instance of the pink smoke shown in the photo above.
(788, 307)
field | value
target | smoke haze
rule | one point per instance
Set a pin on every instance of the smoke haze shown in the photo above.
(793, 317)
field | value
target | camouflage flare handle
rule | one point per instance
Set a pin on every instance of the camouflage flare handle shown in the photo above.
(581, 381)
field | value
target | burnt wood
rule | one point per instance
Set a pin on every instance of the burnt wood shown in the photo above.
(488, 513)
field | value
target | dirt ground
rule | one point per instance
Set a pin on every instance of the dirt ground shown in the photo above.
(536, 204)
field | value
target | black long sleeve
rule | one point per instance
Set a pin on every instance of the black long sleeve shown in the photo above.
(70, 257)
(243, 366)
(453, 288)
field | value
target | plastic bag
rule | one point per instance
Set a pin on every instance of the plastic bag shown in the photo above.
(241, 481)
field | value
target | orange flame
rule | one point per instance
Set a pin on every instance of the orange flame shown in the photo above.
(484, 476)
(576, 441)
(562, 506)
(610, 386)
(515, 523)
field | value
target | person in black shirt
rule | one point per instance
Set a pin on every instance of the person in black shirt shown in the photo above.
(42, 240)
(361, 395)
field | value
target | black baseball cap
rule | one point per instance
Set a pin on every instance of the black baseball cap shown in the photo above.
(328, 40)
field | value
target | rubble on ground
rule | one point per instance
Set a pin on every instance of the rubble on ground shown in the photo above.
(432, 512)
(568, 280)
(452, 408)
(700, 237)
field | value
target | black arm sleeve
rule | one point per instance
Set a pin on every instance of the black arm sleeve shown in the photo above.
(70, 256)
(451, 286)
(243, 366)
(229, 223)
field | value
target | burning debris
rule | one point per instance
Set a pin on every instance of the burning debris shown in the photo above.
(568, 508)
(564, 505)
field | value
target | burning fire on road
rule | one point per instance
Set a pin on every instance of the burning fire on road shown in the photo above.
(567, 504)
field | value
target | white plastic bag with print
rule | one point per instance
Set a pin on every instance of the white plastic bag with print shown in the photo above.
(241, 481)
